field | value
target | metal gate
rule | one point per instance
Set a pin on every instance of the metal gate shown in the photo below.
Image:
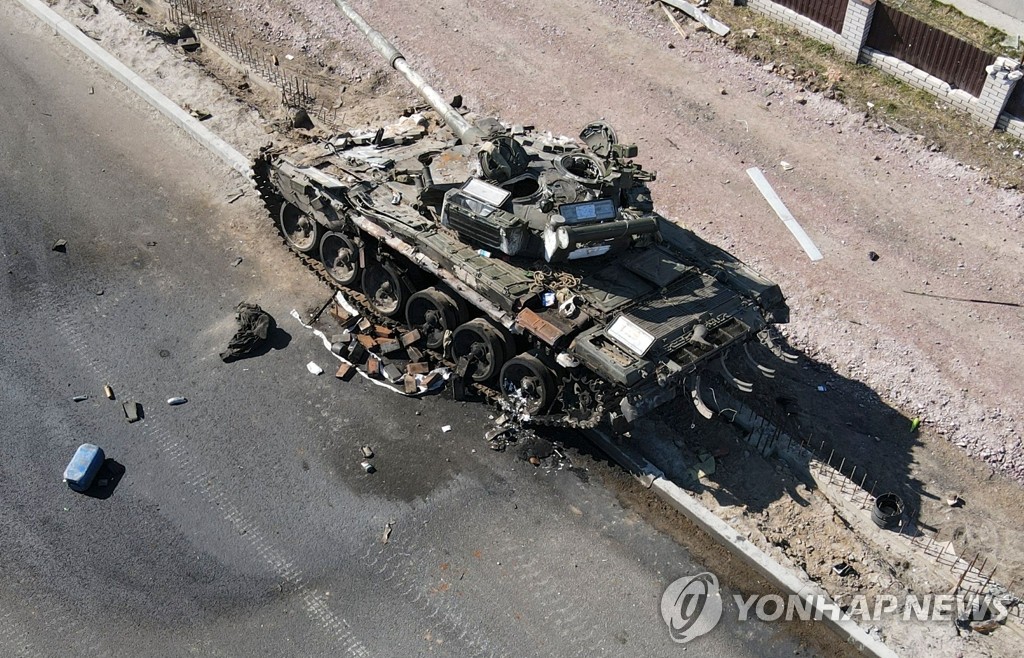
(829, 13)
(928, 48)
(1015, 105)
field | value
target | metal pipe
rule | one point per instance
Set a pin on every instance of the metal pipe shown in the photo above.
(396, 60)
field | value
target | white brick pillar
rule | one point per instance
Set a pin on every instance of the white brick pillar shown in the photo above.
(856, 26)
(1002, 78)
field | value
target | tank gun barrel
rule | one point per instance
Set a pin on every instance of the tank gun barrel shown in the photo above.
(452, 118)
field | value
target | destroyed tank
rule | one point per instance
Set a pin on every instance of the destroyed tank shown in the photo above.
(536, 266)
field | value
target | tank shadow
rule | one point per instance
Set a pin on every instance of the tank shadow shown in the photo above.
(812, 414)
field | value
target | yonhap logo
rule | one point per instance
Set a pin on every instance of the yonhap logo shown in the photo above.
(691, 607)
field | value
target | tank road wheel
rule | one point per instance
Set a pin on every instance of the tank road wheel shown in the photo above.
(340, 255)
(300, 231)
(482, 345)
(385, 288)
(525, 375)
(433, 313)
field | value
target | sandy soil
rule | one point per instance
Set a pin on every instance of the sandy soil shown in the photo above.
(701, 116)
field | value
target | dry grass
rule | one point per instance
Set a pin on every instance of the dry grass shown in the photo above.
(886, 99)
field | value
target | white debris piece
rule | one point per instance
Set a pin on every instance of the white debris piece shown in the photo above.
(446, 429)
(314, 369)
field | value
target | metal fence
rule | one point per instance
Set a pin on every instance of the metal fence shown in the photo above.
(828, 13)
(1015, 105)
(957, 62)
(974, 574)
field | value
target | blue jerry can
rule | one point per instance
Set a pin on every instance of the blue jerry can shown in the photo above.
(83, 466)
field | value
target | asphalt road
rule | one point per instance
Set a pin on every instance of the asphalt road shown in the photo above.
(243, 524)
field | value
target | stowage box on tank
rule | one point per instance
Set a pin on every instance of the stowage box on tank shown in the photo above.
(538, 264)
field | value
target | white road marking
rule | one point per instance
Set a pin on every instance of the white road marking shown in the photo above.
(782, 211)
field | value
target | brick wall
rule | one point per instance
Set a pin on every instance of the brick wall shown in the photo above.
(915, 77)
(985, 109)
(1011, 125)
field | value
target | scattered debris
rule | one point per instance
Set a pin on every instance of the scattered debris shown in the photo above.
(388, 527)
(83, 467)
(915, 424)
(842, 569)
(254, 325)
(237, 262)
(201, 115)
(367, 452)
(367, 466)
(703, 468)
(873, 257)
(132, 411)
(887, 511)
(494, 433)
(344, 370)
(80, 398)
(699, 15)
(786, 166)
(954, 500)
(822, 388)
(189, 44)
(675, 24)
(175, 401)
(446, 429)
(236, 196)
(61, 246)
(984, 627)
(301, 120)
(314, 369)
(417, 368)
(964, 299)
(108, 392)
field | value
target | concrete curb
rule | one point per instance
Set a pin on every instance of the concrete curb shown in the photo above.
(787, 580)
(146, 91)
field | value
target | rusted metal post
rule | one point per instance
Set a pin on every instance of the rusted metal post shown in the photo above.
(958, 560)
(988, 580)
